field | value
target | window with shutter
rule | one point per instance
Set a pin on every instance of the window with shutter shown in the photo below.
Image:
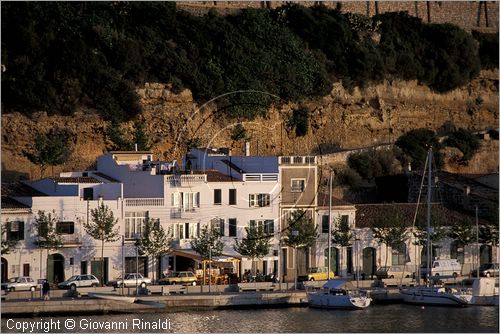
(232, 227)
(325, 220)
(217, 196)
(232, 196)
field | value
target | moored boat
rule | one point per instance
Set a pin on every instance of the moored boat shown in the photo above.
(125, 299)
(338, 294)
(439, 296)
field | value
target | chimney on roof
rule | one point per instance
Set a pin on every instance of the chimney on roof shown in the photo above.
(135, 145)
(247, 148)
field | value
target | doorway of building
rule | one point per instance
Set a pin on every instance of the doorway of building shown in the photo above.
(5, 266)
(369, 262)
(334, 260)
(96, 268)
(55, 268)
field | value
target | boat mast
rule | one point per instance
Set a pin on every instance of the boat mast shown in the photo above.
(429, 197)
(330, 224)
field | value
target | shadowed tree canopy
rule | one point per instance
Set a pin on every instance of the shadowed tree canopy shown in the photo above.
(59, 56)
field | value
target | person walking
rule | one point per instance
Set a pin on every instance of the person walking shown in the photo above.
(46, 290)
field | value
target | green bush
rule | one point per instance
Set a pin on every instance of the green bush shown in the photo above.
(349, 178)
(488, 49)
(493, 134)
(372, 164)
(414, 146)
(465, 141)
(300, 121)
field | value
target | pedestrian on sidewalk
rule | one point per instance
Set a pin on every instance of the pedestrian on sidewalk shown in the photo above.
(46, 290)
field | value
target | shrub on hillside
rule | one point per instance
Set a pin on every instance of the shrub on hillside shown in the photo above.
(493, 134)
(465, 141)
(299, 121)
(348, 178)
(372, 164)
(488, 49)
(415, 144)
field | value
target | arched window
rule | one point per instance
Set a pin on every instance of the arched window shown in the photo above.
(399, 254)
(457, 251)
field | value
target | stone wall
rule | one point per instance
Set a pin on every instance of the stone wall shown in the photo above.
(470, 15)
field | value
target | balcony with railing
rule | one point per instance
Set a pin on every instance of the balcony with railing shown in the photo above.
(133, 202)
(185, 180)
(179, 213)
(69, 240)
(260, 177)
(297, 160)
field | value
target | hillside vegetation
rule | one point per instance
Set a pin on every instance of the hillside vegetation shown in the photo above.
(62, 55)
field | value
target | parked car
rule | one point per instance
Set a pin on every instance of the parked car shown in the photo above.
(316, 274)
(78, 281)
(22, 283)
(393, 272)
(180, 277)
(131, 280)
(486, 270)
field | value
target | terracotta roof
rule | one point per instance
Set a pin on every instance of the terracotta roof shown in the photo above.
(368, 214)
(10, 203)
(106, 177)
(323, 201)
(20, 189)
(460, 181)
(78, 179)
(216, 176)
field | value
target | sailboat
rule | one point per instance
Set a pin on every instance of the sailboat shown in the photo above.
(337, 293)
(433, 295)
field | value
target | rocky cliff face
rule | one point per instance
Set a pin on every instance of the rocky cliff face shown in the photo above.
(377, 114)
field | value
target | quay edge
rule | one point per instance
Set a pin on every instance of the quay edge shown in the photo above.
(77, 306)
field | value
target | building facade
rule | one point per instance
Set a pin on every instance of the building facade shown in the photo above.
(215, 189)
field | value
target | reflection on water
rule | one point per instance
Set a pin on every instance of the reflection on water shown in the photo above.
(387, 318)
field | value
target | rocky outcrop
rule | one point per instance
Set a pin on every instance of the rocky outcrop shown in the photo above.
(343, 119)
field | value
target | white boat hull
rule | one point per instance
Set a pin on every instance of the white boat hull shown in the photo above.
(124, 299)
(434, 296)
(330, 301)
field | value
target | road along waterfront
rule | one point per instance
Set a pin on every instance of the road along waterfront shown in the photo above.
(397, 318)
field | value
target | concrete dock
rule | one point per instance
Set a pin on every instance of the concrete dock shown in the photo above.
(153, 303)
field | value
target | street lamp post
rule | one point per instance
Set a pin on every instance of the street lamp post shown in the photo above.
(136, 263)
(477, 241)
(295, 233)
(356, 251)
(330, 225)
(123, 263)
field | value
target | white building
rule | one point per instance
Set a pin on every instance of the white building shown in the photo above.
(217, 189)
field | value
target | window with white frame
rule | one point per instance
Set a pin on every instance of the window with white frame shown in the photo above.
(298, 185)
(183, 231)
(259, 200)
(218, 225)
(134, 222)
(265, 225)
(186, 201)
(232, 223)
(15, 230)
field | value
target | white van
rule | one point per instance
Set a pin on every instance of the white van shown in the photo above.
(448, 267)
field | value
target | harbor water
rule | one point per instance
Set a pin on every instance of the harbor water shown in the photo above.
(396, 318)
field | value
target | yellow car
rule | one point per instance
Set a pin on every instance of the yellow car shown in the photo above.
(316, 274)
(180, 277)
